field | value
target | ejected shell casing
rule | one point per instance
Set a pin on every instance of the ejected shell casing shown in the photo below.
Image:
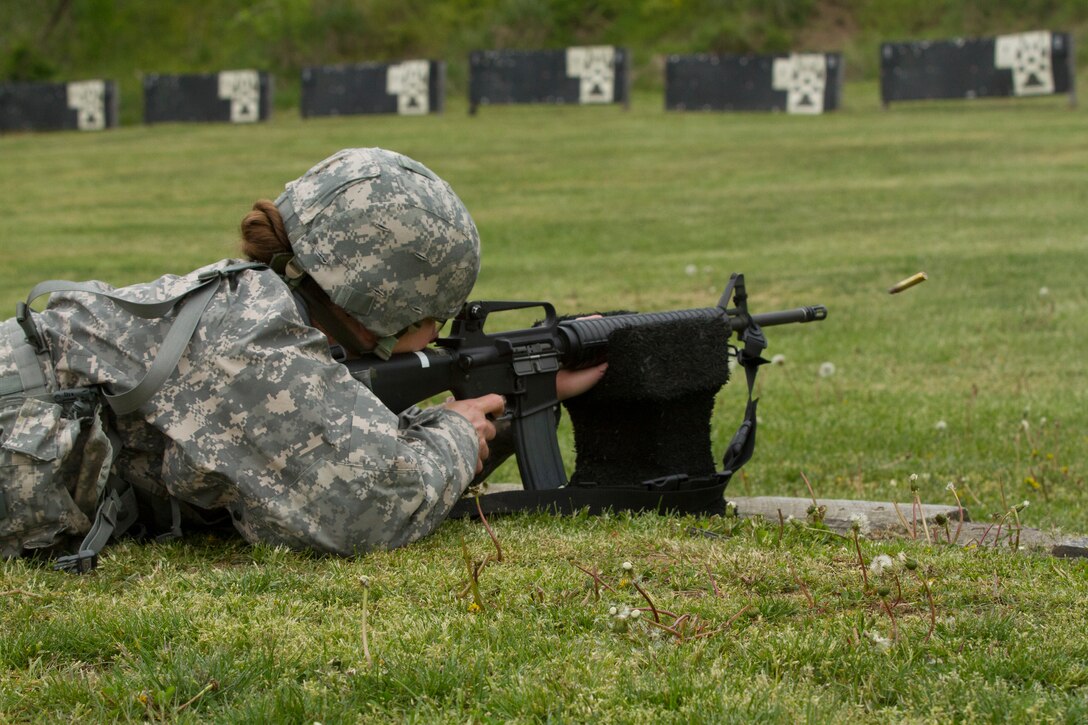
(907, 283)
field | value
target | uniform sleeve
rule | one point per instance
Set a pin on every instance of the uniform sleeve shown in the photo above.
(265, 422)
(382, 486)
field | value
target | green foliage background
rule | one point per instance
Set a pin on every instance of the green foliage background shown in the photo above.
(125, 39)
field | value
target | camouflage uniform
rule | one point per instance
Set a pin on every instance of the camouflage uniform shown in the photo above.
(258, 419)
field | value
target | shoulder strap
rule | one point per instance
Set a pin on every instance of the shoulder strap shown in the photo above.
(29, 377)
(176, 340)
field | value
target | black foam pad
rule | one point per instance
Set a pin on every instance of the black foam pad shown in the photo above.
(649, 416)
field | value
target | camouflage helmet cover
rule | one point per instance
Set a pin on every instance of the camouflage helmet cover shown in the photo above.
(383, 236)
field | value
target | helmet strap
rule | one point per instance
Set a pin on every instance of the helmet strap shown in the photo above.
(385, 345)
(319, 306)
(286, 267)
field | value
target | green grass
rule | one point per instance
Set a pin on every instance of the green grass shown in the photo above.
(598, 208)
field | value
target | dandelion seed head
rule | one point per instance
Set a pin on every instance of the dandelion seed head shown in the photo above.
(881, 642)
(636, 613)
(860, 523)
(691, 270)
(1025, 425)
(827, 369)
(880, 563)
(613, 611)
(778, 359)
(941, 425)
(628, 566)
(1044, 291)
(951, 486)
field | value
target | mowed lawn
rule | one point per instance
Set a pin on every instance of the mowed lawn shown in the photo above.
(976, 378)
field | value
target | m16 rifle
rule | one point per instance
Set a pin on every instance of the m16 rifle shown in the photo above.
(522, 364)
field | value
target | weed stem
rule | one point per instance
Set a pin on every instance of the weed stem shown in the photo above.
(597, 581)
(891, 616)
(713, 583)
(932, 607)
(213, 685)
(657, 617)
(366, 636)
(494, 539)
(861, 562)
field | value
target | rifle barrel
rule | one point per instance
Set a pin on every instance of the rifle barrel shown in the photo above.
(810, 313)
(587, 340)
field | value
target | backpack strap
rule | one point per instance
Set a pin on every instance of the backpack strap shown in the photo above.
(117, 511)
(173, 345)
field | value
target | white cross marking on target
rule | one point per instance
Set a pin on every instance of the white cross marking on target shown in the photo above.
(804, 78)
(243, 89)
(88, 99)
(595, 68)
(1028, 55)
(410, 82)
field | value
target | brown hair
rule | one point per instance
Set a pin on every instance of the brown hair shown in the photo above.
(263, 233)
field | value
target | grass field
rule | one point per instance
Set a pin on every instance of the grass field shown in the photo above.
(975, 377)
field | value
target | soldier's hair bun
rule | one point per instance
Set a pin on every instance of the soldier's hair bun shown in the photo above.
(263, 233)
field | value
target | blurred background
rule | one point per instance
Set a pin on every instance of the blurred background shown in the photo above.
(64, 40)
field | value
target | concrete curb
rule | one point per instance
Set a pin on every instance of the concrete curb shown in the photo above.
(883, 519)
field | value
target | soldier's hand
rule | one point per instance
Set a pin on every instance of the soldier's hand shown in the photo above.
(476, 411)
(569, 383)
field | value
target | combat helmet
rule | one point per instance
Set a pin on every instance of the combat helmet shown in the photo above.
(384, 237)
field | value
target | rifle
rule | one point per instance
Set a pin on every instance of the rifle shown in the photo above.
(522, 364)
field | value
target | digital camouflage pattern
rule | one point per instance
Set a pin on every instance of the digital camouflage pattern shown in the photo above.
(47, 494)
(258, 419)
(388, 240)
